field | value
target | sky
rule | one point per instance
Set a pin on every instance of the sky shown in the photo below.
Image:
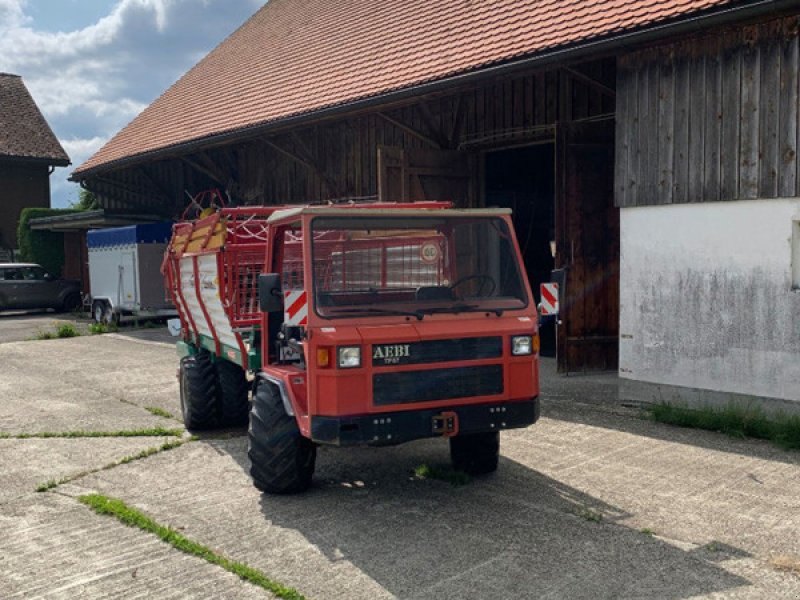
(93, 65)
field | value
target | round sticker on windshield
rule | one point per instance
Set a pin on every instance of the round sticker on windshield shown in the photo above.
(429, 252)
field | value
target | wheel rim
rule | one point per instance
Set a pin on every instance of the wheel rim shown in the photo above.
(98, 313)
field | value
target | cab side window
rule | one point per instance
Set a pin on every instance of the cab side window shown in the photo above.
(12, 275)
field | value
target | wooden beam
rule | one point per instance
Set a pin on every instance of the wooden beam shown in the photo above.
(430, 123)
(141, 171)
(309, 163)
(198, 167)
(124, 188)
(591, 82)
(411, 131)
(458, 124)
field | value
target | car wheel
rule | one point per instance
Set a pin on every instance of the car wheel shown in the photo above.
(71, 302)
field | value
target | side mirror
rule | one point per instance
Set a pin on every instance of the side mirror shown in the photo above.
(270, 298)
(48, 277)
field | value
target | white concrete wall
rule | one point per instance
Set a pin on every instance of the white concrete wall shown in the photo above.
(706, 297)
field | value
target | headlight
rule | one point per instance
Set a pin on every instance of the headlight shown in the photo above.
(521, 345)
(349, 357)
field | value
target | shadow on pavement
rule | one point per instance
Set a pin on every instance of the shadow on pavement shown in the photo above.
(514, 534)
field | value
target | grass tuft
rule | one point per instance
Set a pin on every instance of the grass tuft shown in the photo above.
(733, 420)
(53, 483)
(159, 412)
(442, 473)
(131, 517)
(100, 328)
(45, 335)
(67, 330)
(589, 515)
(152, 432)
(647, 531)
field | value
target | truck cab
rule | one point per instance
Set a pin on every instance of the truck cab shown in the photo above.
(362, 325)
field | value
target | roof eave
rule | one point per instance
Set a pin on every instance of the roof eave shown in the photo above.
(692, 23)
(41, 160)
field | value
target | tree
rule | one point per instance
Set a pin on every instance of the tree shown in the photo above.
(86, 201)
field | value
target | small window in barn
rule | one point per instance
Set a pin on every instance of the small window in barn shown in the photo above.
(796, 255)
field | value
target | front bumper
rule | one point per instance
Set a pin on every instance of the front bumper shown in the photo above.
(387, 429)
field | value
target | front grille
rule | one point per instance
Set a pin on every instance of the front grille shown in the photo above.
(437, 384)
(431, 351)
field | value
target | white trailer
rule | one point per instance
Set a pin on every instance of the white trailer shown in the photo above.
(125, 272)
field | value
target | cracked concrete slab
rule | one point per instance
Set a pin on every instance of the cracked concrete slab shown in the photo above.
(24, 464)
(96, 383)
(53, 547)
(370, 529)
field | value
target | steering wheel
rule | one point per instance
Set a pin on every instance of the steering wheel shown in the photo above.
(484, 279)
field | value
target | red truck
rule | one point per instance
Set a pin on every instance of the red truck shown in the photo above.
(358, 324)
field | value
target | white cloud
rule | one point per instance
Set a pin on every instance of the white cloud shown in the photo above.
(91, 82)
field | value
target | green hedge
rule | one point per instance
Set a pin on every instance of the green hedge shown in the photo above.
(42, 247)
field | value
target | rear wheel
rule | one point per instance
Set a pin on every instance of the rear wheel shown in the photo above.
(281, 459)
(199, 391)
(233, 388)
(475, 453)
(71, 302)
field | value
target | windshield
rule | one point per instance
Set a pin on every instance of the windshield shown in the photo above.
(414, 266)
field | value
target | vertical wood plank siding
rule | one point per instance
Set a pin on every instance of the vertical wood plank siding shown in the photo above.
(339, 157)
(726, 122)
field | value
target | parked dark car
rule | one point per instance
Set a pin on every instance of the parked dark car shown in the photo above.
(26, 285)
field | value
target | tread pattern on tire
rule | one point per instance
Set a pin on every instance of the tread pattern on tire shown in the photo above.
(234, 390)
(476, 453)
(200, 402)
(281, 459)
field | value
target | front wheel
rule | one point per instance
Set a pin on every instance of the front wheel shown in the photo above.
(475, 453)
(281, 459)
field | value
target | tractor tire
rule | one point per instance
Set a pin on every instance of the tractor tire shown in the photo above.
(475, 453)
(281, 459)
(200, 398)
(234, 394)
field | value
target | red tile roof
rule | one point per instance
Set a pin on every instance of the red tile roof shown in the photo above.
(300, 56)
(24, 132)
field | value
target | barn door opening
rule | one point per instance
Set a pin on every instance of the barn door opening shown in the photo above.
(587, 246)
(414, 174)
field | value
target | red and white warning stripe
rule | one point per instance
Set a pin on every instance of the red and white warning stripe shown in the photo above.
(295, 307)
(549, 302)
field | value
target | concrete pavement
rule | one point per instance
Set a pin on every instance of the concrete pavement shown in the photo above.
(591, 502)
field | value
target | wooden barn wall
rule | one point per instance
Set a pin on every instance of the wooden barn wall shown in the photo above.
(710, 118)
(509, 112)
(338, 159)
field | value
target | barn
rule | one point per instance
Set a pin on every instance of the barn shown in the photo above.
(648, 149)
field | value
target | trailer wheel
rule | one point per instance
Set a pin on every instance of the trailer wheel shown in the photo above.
(281, 459)
(200, 403)
(475, 453)
(234, 389)
(98, 311)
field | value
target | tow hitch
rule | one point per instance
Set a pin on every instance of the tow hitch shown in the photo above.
(446, 424)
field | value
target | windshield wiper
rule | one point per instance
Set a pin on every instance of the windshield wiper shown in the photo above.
(382, 311)
(454, 308)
